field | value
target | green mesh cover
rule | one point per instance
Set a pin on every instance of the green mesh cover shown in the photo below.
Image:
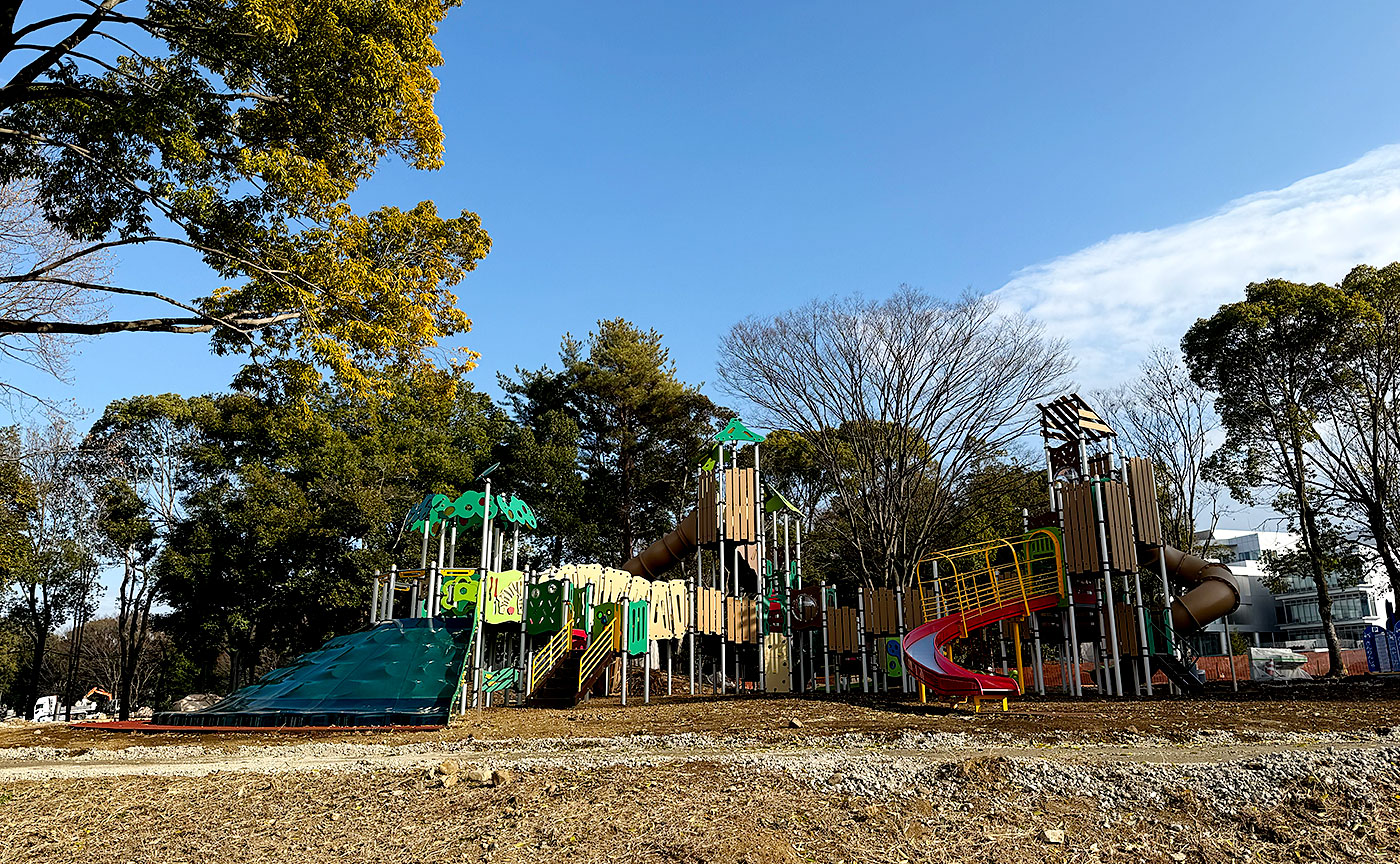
(400, 673)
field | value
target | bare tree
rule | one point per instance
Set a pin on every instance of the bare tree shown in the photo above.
(1163, 416)
(106, 666)
(30, 245)
(901, 398)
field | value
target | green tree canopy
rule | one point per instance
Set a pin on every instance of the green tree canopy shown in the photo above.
(1274, 361)
(290, 511)
(640, 433)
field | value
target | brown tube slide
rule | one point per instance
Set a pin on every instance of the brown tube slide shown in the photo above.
(665, 553)
(1214, 593)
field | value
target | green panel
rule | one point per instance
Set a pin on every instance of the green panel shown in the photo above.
(583, 607)
(499, 679)
(459, 595)
(603, 615)
(545, 609)
(737, 431)
(400, 672)
(468, 510)
(638, 617)
(503, 596)
(894, 666)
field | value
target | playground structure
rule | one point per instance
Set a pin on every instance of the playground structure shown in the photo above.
(1074, 580)
(447, 638)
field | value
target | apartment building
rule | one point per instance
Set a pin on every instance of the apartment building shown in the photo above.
(1290, 617)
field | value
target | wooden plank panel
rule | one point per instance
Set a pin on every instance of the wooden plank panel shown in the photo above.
(1079, 529)
(1142, 484)
(705, 522)
(739, 509)
(913, 613)
(1121, 556)
(881, 614)
(709, 611)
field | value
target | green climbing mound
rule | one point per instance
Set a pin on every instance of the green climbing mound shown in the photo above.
(399, 673)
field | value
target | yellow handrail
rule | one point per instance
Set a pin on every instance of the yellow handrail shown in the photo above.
(605, 643)
(553, 650)
(992, 574)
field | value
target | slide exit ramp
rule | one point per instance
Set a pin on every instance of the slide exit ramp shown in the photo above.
(974, 586)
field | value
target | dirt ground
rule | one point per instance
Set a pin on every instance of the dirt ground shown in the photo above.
(1311, 774)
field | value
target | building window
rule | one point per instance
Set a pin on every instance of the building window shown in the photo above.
(1347, 608)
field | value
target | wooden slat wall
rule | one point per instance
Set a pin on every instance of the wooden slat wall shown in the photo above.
(705, 531)
(740, 508)
(881, 611)
(1081, 549)
(1100, 465)
(740, 512)
(708, 611)
(1126, 618)
(913, 608)
(743, 619)
(1081, 528)
(1118, 522)
(841, 625)
(1142, 483)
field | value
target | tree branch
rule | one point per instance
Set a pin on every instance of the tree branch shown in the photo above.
(45, 61)
(145, 325)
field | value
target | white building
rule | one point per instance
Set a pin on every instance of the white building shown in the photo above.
(1289, 618)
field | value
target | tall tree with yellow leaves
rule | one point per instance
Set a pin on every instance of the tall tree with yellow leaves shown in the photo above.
(237, 129)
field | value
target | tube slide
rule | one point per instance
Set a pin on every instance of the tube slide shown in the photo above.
(665, 553)
(1214, 592)
(926, 661)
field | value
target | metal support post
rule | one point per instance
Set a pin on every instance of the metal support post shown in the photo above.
(1036, 656)
(860, 638)
(481, 595)
(374, 600)
(1102, 525)
(1075, 668)
(901, 627)
(524, 622)
(624, 630)
(826, 642)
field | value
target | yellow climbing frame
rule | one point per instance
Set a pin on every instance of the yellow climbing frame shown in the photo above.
(981, 576)
(604, 645)
(553, 651)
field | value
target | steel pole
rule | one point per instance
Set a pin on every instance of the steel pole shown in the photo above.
(481, 594)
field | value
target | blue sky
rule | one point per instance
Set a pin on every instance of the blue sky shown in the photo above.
(684, 165)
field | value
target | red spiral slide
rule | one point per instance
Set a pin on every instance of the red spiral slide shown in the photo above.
(926, 661)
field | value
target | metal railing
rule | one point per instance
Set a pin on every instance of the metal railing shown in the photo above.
(969, 579)
(553, 651)
(606, 642)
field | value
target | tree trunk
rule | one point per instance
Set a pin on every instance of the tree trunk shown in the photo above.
(1377, 522)
(36, 668)
(233, 671)
(629, 539)
(124, 687)
(1313, 545)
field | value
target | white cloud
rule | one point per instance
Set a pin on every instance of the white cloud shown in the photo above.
(1116, 299)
